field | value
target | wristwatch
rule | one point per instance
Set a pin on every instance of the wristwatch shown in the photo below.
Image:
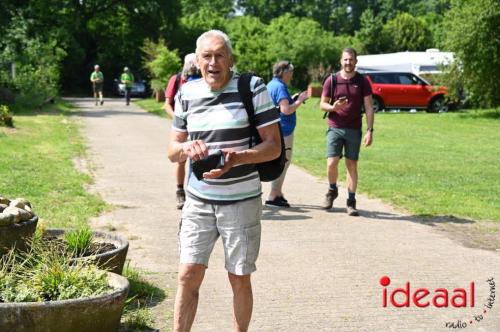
(369, 129)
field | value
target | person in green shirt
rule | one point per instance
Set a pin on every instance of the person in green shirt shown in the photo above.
(127, 79)
(97, 79)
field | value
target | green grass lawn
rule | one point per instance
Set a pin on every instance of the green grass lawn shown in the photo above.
(152, 106)
(429, 164)
(36, 162)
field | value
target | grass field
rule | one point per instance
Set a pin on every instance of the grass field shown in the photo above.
(445, 164)
(429, 164)
(36, 162)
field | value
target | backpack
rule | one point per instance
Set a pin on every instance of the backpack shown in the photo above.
(334, 85)
(268, 170)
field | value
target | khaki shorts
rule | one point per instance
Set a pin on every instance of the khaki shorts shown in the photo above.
(237, 224)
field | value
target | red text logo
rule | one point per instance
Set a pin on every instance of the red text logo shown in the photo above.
(423, 297)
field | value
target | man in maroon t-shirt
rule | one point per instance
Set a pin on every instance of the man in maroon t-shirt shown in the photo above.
(351, 91)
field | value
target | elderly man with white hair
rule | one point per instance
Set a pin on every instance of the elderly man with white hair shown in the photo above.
(211, 120)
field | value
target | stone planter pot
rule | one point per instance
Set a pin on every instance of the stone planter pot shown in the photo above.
(100, 313)
(113, 260)
(17, 235)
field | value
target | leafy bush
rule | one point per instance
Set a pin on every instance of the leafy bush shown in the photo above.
(33, 64)
(471, 30)
(407, 33)
(5, 116)
(302, 41)
(160, 62)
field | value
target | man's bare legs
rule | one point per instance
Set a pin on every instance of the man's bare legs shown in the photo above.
(352, 184)
(186, 299)
(332, 169)
(352, 174)
(242, 301)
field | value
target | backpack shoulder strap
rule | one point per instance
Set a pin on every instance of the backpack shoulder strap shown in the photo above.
(361, 82)
(247, 95)
(177, 81)
(333, 85)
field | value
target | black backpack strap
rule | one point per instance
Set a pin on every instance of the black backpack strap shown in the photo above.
(178, 78)
(333, 85)
(247, 99)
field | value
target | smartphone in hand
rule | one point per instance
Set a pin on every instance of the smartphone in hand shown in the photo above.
(342, 99)
(296, 96)
(215, 160)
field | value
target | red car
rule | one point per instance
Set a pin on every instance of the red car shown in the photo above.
(405, 90)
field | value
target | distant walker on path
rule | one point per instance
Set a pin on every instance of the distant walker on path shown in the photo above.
(97, 79)
(127, 79)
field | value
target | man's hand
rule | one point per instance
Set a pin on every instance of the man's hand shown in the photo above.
(302, 97)
(339, 105)
(368, 138)
(195, 150)
(230, 160)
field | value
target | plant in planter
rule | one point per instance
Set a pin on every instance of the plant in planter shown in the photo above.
(109, 251)
(17, 224)
(42, 290)
(314, 89)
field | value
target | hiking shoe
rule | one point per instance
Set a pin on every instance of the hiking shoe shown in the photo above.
(102, 102)
(283, 199)
(180, 197)
(96, 103)
(351, 208)
(329, 198)
(277, 202)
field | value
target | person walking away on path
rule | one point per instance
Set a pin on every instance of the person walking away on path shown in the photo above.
(343, 102)
(97, 79)
(127, 79)
(278, 90)
(226, 200)
(189, 72)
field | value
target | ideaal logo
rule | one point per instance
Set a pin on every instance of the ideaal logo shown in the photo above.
(439, 298)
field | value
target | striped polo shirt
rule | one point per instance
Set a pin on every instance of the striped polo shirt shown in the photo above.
(220, 120)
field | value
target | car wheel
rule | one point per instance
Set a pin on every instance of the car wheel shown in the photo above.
(437, 104)
(378, 104)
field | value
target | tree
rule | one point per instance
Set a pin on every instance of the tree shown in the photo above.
(407, 33)
(250, 51)
(192, 26)
(224, 8)
(472, 32)
(160, 62)
(36, 61)
(304, 43)
(371, 34)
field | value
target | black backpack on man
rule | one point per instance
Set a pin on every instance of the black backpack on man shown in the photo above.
(269, 170)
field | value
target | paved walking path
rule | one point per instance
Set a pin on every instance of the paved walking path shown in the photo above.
(317, 270)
